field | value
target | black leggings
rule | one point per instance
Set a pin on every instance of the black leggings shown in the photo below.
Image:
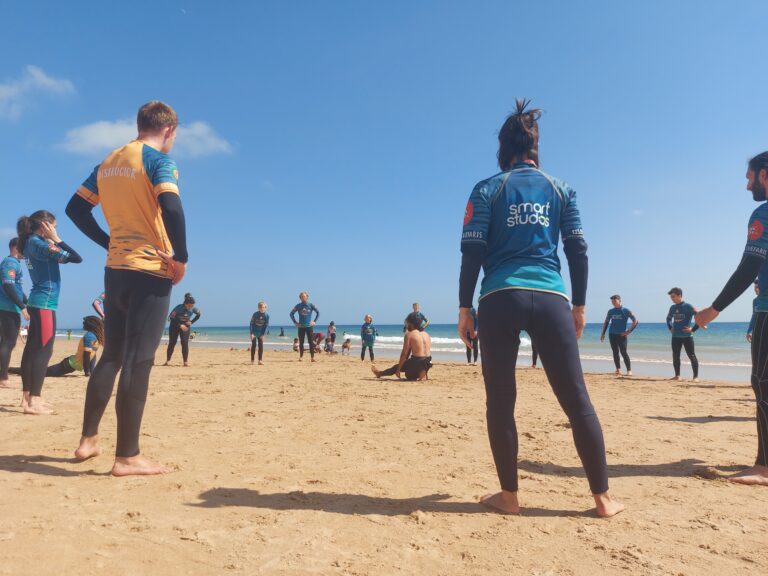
(38, 349)
(619, 345)
(10, 322)
(534, 354)
(370, 351)
(136, 308)
(760, 383)
(57, 370)
(254, 343)
(547, 318)
(677, 344)
(174, 332)
(308, 333)
(473, 349)
(413, 368)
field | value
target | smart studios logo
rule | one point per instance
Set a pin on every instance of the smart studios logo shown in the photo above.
(528, 213)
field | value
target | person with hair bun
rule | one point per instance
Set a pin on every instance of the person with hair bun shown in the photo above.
(180, 323)
(512, 224)
(44, 251)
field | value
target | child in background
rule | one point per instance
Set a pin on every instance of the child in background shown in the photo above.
(368, 333)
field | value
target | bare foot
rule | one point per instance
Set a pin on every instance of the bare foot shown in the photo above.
(5, 384)
(617, 373)
(755, 476)
(166, 364)
(37, 408)
(607, 506)
(138, 465)
(696, 379)
(376, 371)
(629, 372)
(261, 363)
(675, 378)
(185, 364)
(89, 448)
(503, 502)
(313, 360)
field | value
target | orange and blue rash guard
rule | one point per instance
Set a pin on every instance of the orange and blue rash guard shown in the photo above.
(127, 185)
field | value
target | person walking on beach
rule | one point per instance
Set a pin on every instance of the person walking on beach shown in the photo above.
(755, 301)
(305, 324)
(44, 251)
(13, 305)
(330, 340)
(259, 325)
(181, 319)
(368, 335)
(137, 187)
(511, 227)
(617, 333)
(473, 339)
(679, 321)
(754, 262)
(415, 357)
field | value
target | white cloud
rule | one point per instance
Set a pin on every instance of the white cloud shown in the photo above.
(15, 93)
(194, 140)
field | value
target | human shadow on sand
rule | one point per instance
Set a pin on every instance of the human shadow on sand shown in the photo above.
(355, 504)
(39, 464)
(680, 469)
(704, 419)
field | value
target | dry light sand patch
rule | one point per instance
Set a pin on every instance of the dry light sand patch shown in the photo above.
(297, 468)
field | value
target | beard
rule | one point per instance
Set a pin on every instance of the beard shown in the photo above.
(758, 191)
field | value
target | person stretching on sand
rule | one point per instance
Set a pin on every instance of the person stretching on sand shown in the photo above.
(754, 262)
(511, 227)
(415, 360)
(181, 319)
(137, 187)
(617, 333)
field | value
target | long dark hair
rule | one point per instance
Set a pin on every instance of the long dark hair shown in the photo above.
(26, 226)
(96, 325)
(188, 299)
(519, 135)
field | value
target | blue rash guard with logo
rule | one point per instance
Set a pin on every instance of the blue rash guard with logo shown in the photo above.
(532, 210)
(305, 314)
(181, 315)
(757, 245)
(617, 319)
(43, 258)
(259, 323)
(368, 333)
(679, 317)
(11, 275)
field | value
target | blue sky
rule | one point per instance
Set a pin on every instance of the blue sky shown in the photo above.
(332, 146)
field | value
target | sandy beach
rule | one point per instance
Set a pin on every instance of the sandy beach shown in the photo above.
(297, 468)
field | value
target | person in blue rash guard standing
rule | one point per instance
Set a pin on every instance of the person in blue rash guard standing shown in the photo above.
(44, 251)
(181, 319)
(305, 324)
(754, 312)
(511, 227)
(617, 332)
(679, 323)
(13, 302)
(368, 335)
(754, 262)
(259, 325)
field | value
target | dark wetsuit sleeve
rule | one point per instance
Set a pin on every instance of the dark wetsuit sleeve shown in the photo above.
(72, 256)
(197, 316)
(741, 279)
(80, 211)
(578, 266)
(472, 256)
(10, 291)
(669, 319)
(175, 224)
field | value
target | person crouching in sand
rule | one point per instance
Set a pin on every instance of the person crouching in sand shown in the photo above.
(415, 359)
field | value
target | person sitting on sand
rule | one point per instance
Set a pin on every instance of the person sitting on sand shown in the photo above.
(346, 346)
(295, 344)
(415, 359)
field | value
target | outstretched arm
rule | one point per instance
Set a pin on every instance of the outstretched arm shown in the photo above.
(739, 281)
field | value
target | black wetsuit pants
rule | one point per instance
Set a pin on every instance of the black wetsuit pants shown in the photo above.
(174, 333)
(370, 351)
(534, 354)
(38, 349)
(10, 322)
(136, 308)
(547, 318)
(306, 332)
(619, 345)
(473, 349)
(257, 342)
(412, 368)
(677, 345)
(760, 383)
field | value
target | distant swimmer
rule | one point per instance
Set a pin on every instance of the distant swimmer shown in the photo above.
(305, 323)
(259, 325)
(616, 323)
(181, 319)
(754, 262)
(44, 251)
(13, 305)
(98, 304)
(473, 340)
(415, 358)
(512, 225)
(137, 187)
(755, 301)
(84, 360)
(679, 321)
(368, 334)
(417, 311)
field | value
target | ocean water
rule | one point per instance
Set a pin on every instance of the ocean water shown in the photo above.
(722, 350)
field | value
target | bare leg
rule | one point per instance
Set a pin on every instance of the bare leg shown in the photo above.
(504, 502)
(89, 448)
(755, 476)
(607, 506)
(138, 465)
